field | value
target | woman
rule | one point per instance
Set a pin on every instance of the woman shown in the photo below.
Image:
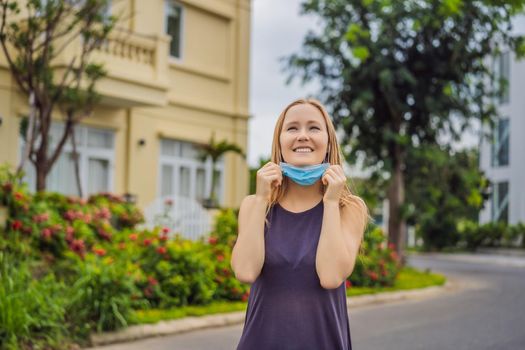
(298, 238)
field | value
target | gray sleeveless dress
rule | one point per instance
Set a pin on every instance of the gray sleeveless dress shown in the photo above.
(287, 307)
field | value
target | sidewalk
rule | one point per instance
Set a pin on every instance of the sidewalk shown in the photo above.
(514, 260)
(194, 323)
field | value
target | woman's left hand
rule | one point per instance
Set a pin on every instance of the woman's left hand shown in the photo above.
(335, 180)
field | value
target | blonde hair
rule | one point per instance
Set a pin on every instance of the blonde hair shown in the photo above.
(334, 157)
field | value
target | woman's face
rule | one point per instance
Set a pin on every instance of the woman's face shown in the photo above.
(304, 137)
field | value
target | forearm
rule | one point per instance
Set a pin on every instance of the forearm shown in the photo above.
(248, 253)
(333, 260)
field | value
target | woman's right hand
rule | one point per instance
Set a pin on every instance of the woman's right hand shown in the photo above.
(268, 177)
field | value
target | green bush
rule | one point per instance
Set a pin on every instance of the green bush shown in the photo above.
(378, 264)
(492, 234)
(31, 310)
(221, 242)
(103, 294)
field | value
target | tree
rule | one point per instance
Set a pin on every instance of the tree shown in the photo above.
(215, 150)
(34, 39)
(396, 75)
(443, 188)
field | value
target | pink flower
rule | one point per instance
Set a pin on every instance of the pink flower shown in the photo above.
(147, 242)
(348, 284)
(41, 217)
(161, 250)
(165, 230)
(77, 246)
(163, 237)
(152, 281)
(133, 237)
(212, 240)
(220, 257)
(70, 233)
(168, 202)
(46, 233)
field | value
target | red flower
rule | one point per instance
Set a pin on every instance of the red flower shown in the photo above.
(225, 271)
(391, 246)
(152, 281)
(18, 196)
(122, 246)
(99, 251)
(104, 234)
(46, 233)
(245, 296)
(163, 237)
(133, 237)
(16, 225)
(348, 284)
(168, 202)
(165, 230)
(220, 257)
(213, 240)
(161, 250)
(147, 242)
(394, 256)
(373, 276)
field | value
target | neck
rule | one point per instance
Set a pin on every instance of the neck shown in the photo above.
(296, 193)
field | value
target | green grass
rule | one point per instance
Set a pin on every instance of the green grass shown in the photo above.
(409, 278)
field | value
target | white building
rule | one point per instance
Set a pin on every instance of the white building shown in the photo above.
(503, 158)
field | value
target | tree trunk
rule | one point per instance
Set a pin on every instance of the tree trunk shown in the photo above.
(396, 198)
(41, 174)
(77, 167)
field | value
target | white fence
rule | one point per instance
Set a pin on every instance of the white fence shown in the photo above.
(180, 214)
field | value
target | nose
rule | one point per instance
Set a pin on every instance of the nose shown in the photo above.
(303, 135)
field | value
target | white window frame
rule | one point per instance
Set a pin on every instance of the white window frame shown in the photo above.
(176, 162)
(169, 5)
(497, 209)
(501, 68)
(497, 142)
(85, 154)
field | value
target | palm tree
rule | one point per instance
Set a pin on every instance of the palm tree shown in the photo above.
(215, 151)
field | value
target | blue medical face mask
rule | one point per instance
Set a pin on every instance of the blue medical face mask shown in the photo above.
(304, 176)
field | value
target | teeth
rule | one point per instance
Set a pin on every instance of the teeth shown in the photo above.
(303, 150)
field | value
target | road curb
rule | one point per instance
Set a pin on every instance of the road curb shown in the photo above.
(188, 324)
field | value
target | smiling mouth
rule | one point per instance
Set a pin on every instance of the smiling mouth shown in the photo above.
(303, 150)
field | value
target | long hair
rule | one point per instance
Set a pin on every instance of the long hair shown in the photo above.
(334, 157)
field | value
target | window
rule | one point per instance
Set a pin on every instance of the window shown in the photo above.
(173, 24)
(183, 174)
(502, 76)
(500, 143)
(95, 148)
(500, 201)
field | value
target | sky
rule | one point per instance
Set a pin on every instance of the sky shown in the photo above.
(274, 34)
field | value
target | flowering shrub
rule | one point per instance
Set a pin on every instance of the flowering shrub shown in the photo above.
(221, 242)
(378, 265)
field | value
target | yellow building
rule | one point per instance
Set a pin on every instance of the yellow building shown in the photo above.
(177, 72)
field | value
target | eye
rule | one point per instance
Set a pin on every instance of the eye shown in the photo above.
(292, 127)
(315, 127)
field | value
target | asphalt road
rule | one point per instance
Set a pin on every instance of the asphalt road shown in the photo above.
(488, 312)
